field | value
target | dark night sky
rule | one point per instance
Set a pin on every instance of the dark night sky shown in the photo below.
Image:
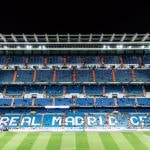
(74, 17)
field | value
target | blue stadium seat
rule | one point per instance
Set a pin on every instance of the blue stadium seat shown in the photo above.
(74, 89)
(103, 75)
(63, 76)
(44, 76)
(54, 90)
(22, 102)
(144, 101)
(6, 75)
(43, 102)
(126, 101)
(104, 102)
(85, 102)
(84, 76)
(24, 76)
(94, 90)
(5, 102)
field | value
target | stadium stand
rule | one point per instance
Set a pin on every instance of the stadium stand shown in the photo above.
(79, 85)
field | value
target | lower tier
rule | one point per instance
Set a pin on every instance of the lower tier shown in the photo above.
(76, 120)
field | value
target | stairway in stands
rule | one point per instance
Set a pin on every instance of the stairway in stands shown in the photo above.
(33, 102)
(42, 119)
(104, 91)
(12, 102)
(115, 102)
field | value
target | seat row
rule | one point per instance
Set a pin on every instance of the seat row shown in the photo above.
(75, 89)
(80, 120)
(126, 59)
(102, 75)
(95, 102)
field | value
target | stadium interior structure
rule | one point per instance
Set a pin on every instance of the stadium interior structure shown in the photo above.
(73, 82)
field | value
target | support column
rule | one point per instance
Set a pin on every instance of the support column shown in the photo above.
(26, 61)
(133, 75)
(113, 74)
(121, 62)
(94, 74)
(33, 101)
(15, 75)
(54, 75)
(45, 61)
(74, 75)
(34, 75)
(65, 61)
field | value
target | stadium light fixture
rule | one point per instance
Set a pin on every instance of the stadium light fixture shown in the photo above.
(40, 47)
(104, 46)
(108, 47)
(142, 46)
(119, 46)
(43, 47)
(5, 47)
(28, 46)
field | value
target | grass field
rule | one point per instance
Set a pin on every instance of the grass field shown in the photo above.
(75, 141)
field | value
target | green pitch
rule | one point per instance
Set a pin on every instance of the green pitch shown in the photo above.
(75, 141)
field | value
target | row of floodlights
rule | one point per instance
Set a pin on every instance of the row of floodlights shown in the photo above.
(27, 47)
(121, 46)
(104, 47)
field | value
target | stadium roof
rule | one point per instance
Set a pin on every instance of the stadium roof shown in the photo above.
(75, 42)
(46, 38)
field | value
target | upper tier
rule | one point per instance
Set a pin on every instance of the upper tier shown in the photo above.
(65, 60)
(69, 76)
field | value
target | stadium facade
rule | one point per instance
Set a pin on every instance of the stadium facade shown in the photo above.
(75, 82)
